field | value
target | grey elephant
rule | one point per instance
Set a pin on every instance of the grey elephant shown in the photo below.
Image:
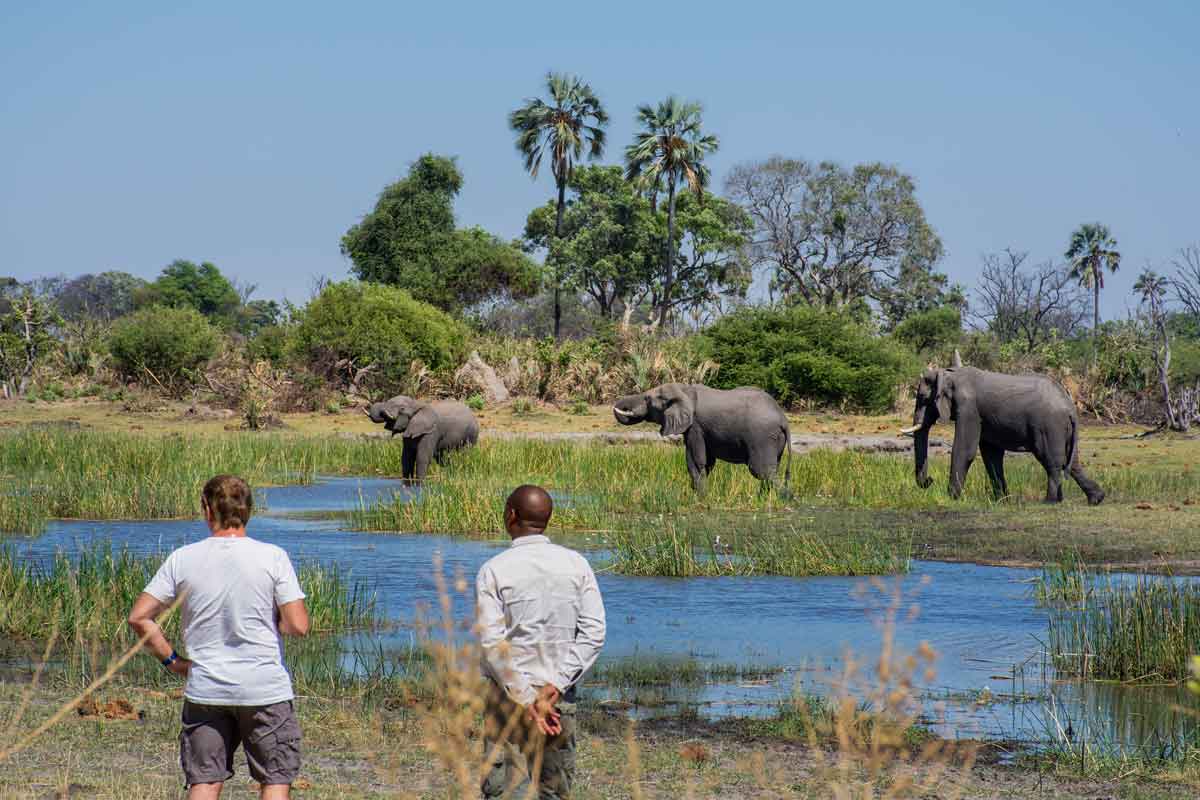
(741, 426)
(994, 413)
(430, 430)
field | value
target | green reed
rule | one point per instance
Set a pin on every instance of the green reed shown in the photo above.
(693, 547)
(88, 598)
(1066, 581)
(1144, 630)
(92, 475)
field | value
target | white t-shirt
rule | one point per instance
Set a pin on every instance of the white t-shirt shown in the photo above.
(233, 586)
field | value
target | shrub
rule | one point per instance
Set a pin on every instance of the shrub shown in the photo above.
(171, 344)
(268, 343)
(578, 408)
(805, 354)
(475, 402)
(368, 324)
(522, 407)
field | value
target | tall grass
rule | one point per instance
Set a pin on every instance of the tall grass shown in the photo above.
(596, 484)
(1140, 631)
(677, 547)
(93, 475)
(88, 598)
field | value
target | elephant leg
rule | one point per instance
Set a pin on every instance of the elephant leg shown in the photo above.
(993, 460)
(1095, 494)
(426, 449)
(764, 465)
(1054, 476)
(966, 445)
(408, 459)
(697, 459)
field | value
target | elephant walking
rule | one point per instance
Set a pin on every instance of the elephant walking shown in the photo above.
(993, 414)
(430, 430)
(741, 426)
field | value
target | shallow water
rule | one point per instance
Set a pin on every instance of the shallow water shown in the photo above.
(981, 621)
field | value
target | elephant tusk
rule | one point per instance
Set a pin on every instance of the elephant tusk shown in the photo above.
(910, 430)
(622, 413)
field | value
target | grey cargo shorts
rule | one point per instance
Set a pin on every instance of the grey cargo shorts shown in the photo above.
(211, 735)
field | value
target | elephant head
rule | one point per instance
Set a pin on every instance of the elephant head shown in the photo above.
(396, 414)
(671, 405)
(935, 400)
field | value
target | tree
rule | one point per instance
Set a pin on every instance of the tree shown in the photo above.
(711, 258)
(610, 240)
(834, 237)
(1153, 290)
(1016, 304)
(1187, 280)
(572, 120)
(26, 325)
(183, 284)
(670, 147)
(104, 297)
(603, 241)
(410, 241)
(1091, 249)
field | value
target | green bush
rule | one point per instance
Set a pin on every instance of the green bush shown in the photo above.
(475, 402)
(369, 323)
(268, 343)
(1185, 363)
(171, 344)
(809, 355)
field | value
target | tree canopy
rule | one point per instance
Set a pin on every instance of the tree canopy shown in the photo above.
(104, 296)
(410, 240)
(612, 239)
(832, 236)
(183, 284)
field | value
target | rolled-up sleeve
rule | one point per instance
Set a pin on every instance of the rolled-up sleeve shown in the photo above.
(590, 630)
(493, 639)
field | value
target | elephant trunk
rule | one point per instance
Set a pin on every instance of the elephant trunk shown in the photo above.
(921, 456)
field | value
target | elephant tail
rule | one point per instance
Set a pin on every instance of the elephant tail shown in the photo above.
(1073, 443)
(787, 471)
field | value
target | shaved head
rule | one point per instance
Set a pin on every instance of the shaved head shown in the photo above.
(528, 510)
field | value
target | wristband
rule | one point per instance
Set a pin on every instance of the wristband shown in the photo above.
(171, 659)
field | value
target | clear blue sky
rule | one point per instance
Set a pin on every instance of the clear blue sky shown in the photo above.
(253, 134)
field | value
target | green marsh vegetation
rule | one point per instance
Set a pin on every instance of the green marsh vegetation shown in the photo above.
(77, 607)
(90, 475)
(1144, 629)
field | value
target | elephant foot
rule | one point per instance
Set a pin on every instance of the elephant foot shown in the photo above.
(925, 484)
(1096, 498)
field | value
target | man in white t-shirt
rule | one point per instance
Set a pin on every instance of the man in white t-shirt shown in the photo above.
(236, 596)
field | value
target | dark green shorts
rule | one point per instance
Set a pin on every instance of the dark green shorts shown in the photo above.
(211, 735)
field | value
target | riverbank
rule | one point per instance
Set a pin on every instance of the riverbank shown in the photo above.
(383, 753)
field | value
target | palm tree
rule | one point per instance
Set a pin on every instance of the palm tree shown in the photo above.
(571, 120)
(670, 147)
(1093, 248)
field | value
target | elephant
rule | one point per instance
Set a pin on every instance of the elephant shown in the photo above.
(430, 430)
(741, 426)
(994, 413)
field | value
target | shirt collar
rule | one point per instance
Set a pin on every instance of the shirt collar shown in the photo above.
(530, 538)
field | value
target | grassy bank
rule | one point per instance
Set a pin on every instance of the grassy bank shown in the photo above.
(55, 473)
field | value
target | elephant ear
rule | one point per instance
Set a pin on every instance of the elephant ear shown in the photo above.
(677, 417)
(943, 395)
(422, 423)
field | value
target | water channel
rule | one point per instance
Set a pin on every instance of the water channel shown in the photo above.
(991, 678)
